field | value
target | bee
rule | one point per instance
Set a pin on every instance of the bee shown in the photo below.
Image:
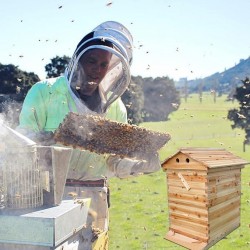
(81, 202)
(72, 194)
(109, 3)
(175, 105)
(241, 116)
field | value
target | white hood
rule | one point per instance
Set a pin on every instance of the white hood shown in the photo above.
(118, 75)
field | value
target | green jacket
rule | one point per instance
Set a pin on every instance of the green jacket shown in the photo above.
(49, 101)
(44, 108)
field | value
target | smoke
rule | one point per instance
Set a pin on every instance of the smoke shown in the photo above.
(3, 131)
(10, 111)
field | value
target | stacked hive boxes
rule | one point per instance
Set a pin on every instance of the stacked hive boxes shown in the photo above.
(204, 189)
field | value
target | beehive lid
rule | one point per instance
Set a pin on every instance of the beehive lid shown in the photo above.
(209, 157)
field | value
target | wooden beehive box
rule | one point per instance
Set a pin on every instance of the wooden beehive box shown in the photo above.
(204, 190)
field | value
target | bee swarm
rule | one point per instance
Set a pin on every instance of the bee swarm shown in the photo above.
(103, 136)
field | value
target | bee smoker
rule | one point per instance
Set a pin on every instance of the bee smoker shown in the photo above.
(20, 184)
(33, 215)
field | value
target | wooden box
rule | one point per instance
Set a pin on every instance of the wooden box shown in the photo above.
(204, 191)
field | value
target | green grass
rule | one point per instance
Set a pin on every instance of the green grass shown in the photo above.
(139, 212)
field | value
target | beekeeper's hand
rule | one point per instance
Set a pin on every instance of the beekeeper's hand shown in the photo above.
(45, 138)
(126, 167)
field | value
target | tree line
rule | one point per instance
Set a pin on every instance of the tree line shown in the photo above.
(146, 99)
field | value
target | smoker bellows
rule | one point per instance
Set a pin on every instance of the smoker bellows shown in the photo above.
(103, 136)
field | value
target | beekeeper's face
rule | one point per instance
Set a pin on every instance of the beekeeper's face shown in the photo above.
(95, 64)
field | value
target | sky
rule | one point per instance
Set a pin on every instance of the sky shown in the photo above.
(174, 38)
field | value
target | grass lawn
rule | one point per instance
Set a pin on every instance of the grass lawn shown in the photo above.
(139, 210)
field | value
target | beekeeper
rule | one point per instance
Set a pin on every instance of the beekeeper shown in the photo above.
(96, 77)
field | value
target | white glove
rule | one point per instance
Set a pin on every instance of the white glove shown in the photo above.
(126, 167)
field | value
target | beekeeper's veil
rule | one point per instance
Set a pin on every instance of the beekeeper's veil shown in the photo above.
(115, 38)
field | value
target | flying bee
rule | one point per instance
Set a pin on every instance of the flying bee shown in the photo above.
(109, 3)
(241, 116)
(72, 194)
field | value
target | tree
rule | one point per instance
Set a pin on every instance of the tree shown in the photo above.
(15, 81)
(160, 98)
(14, 85)
(133, 99)
(57, 66)
(241, 115)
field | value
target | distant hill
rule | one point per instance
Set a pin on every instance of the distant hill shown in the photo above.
(223, 82)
